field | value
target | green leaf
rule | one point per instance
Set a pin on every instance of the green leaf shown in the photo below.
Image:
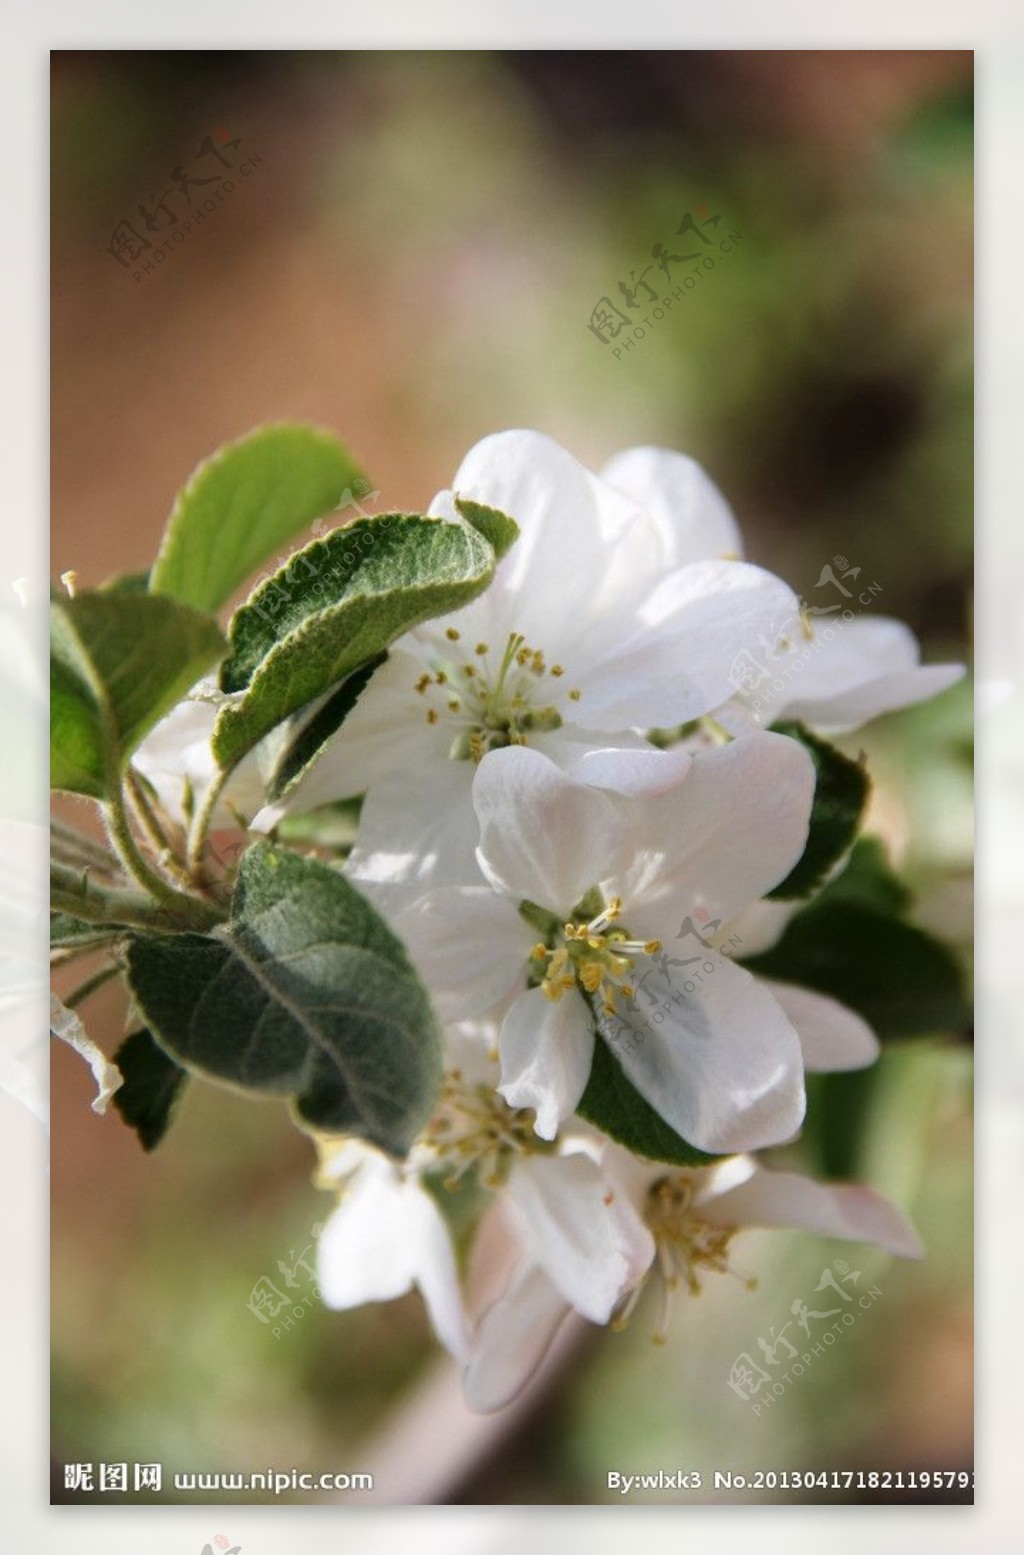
(612, 1103)
(868, 878)
(118, 662)
(385, 574)
(152, 1087)
(304, 993)
(901, 980)
(840, 794)
(496, 527)
(299, 754)
(240, 505)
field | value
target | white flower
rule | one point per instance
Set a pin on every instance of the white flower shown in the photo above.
(586, 634)
(577, 1242)
(706, 1044)
(835, 674)
(690, 1215)
(386, 1236)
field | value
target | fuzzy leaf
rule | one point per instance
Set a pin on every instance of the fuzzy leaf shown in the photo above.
(383, 575)
(245, 501)
(151, 1088)
(118, 663)
(304, 993)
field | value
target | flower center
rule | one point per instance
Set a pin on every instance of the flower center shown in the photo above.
(686, 1246)
(596, 955)
(494, 703)
(473, 1128)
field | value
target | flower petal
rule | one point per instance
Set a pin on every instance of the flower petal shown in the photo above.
(364, 1252)
(832, 1036)
(588, 1239)
(543, 837)
(386, 1235)
(850, 672)
(470, 946)
(717, 1058)
(678, 660)
(546, 1050)
(848, 1210)
(512, 1339)
(694, 520)
(556, 576)
(726, 835)
(630, 770)
(417, 833)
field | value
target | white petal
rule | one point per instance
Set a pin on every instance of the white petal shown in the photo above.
(717, 1058)
(543, 837)
(848, 1210)
(365, 1251)
(678, 661)
(633, 771)
(761, 925)
(470, 946)
(727, 834)
(437, 1276)
(850, 709)
(694, 520)
(512, 1338)
(832, 1036)
(417, 832)
(556, 575)
(546, 1050)
(849, 672)
(387, 1235)
(588, 1239)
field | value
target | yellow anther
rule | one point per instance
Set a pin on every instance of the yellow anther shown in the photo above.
(432, 715)
(70, 581)
(469, 670)
(652, 947)
(481, 648)
(591, 975)
(451, 634)
(556, 670)
(539, 952)
(574, 695)
(441, 677)
(454, 704)
(422, 684)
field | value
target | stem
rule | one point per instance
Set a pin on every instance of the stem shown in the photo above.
(89, 852)
(135, 861)
(203, 817)
(146, 817)
(91, 984)
(72, 891)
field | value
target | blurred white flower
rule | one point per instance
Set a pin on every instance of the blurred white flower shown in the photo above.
(690, 1216)
(836, 674)
(386, 1236)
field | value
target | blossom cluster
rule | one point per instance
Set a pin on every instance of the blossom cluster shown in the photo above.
(570, 814)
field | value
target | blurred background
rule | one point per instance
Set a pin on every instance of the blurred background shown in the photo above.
(413, 258)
